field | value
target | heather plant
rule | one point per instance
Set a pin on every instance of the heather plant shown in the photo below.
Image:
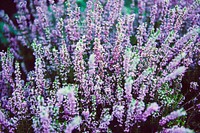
(109, 67)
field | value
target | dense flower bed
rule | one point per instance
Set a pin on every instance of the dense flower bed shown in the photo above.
(103, 68)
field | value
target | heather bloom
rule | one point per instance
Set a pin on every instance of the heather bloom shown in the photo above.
(73, 124)
(78, 60)
(175, 73)
(173, 115)
(45, 120)
(176, 60)
(17, 103)
(151, 109)
(7, 60)
(99, 57)
(65, 91)
(194, 85)
(118, 112)
(92, 65)
(138, 111)
(128, 86)
(129, 117)
(3, 120)
(106, 118)
(176, 129)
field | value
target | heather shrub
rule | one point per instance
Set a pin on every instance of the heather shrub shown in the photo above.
(111, 66)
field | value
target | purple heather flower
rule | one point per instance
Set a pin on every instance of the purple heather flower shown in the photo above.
(173, 115)
(151, 109)
(177, 129)
(73, 124)
(175, 73)
(194, 85)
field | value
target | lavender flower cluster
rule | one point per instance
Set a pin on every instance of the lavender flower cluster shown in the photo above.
(107, 68)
